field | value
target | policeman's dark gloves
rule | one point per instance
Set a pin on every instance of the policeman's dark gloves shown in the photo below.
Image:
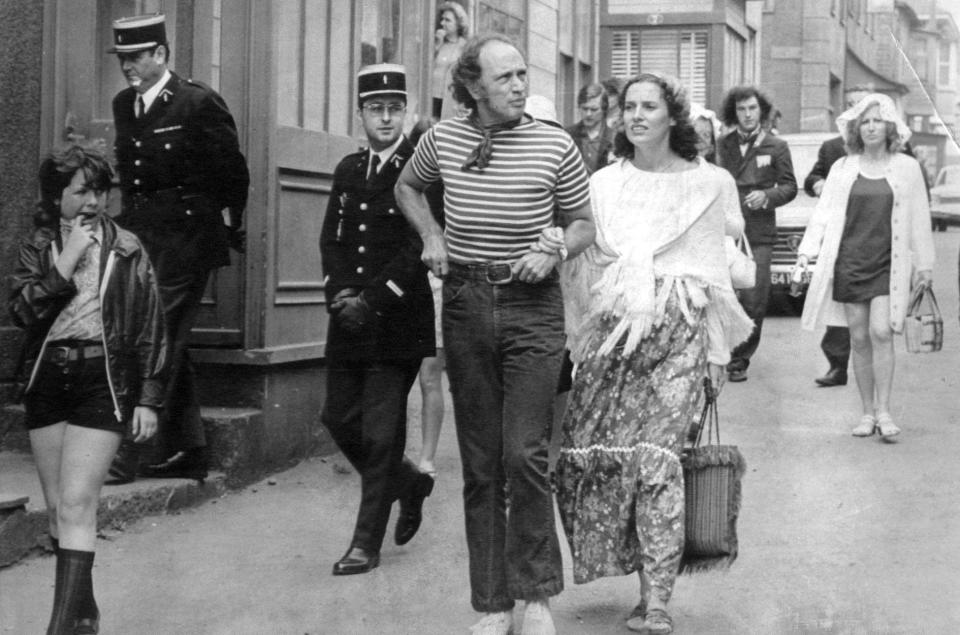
(237, 239)
(352, 311)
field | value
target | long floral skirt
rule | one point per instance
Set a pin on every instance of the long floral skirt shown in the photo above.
(620, 483)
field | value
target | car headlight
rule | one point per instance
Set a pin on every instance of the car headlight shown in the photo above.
(935, 200)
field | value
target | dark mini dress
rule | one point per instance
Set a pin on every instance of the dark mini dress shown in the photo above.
(862, 269)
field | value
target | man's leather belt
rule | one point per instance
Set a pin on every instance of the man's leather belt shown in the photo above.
(65, 353)
(491, 273)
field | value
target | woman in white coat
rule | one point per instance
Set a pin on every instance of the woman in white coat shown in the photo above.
(871, 232)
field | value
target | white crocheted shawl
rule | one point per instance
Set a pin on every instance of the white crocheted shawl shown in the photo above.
(656, 225)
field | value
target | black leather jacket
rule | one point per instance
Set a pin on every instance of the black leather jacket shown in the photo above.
(133, 331)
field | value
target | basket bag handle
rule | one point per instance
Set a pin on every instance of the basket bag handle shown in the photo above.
(709, 417)
(921, 293)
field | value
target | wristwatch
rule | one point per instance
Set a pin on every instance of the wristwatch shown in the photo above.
(563, 253)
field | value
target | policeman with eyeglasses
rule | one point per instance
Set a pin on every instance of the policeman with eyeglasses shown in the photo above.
(381, 320)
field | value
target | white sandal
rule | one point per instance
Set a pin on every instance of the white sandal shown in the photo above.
(868, 425)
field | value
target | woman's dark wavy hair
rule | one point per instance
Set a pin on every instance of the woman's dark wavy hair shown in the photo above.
(728, 109)
(466, 71)
(683, 136)
(459, 14)
(56, 172)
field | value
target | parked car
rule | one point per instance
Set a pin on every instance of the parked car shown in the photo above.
(793, 217)
(945, 198)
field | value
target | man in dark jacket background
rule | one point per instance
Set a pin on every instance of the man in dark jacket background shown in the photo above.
(381, 320)
(182, 178)
(761, 165)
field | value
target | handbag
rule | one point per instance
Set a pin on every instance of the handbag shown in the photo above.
(743, 269)
(711, 474)
(923, 326)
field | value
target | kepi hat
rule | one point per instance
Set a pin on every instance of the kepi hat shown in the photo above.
(381, 79)
(139, 33)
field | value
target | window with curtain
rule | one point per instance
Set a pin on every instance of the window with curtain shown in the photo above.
(679, 53)
(945, 64)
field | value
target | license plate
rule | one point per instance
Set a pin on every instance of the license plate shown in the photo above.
(783, 278)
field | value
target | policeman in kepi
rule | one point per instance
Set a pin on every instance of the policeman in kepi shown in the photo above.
(381, 320)
(184, 184)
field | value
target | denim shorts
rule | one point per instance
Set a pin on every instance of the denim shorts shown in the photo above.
(76, 392)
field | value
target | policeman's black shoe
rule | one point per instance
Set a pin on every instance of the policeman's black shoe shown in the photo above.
(835, 377)
(123, 469)
(190, 464)
(356, 560)
(737, 375)
(411, 509)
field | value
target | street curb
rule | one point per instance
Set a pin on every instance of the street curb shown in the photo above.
(24, 532)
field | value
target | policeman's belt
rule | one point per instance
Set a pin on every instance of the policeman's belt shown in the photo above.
(170, 199)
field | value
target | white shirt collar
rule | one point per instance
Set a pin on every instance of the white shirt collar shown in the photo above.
(151, 95)
(385, 154)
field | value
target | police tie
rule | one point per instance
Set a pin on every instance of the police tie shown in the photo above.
(139, 106)
(374, 164)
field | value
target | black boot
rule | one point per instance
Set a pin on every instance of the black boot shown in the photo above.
(71, 565)
(88, 613)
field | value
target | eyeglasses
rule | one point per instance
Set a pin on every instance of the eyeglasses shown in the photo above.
(378, 109)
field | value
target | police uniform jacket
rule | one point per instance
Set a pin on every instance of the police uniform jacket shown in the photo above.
(180, 165)
(367, 244)
(766, 166)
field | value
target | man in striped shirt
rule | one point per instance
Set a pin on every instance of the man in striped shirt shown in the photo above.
(516, 203)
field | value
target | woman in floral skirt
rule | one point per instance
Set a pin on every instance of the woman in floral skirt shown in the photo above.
(651, 312)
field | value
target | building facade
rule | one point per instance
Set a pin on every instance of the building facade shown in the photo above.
(287, 70)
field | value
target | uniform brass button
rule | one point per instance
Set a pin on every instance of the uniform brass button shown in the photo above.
(359, 269)
(363, 207)
(391, 211)
(362, 249)
(136, 181)
(341, 212)
(189, 212)
(166, 146)
(137, 162)
(362, 227)
(137, 143)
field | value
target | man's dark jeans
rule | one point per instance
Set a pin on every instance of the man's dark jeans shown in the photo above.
(754, 302)
(504, 347)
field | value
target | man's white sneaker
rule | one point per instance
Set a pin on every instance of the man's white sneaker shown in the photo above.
(537, 619)
(494, 624)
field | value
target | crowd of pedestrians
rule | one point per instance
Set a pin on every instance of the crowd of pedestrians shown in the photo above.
(522, 257)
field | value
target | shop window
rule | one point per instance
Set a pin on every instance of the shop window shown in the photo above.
(379, 32)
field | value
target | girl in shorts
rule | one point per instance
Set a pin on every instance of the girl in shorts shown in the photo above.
(86, 295)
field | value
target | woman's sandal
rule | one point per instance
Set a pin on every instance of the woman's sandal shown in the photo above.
(640, 610)
(656, 622)
(887, 428)
(866, 428)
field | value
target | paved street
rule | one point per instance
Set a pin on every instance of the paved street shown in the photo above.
(838, 534)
